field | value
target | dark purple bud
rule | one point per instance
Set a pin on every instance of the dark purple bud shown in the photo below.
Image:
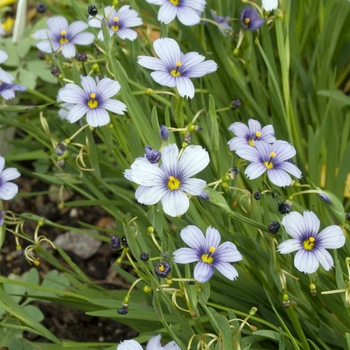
(325, 197)
(92, 10)
(162, 270)
(273, 227)
(125, 242)
(42, 56)
(236, 103)
(123, 311)
(285, 207)
(55, 72)
(152, 155)
(250, 19)
(164, 133)
(81, 57)
(257, 195)
(41, 8)
(115, 242)
(204, 195)
(144, 256)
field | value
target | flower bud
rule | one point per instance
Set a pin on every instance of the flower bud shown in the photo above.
(41, 8)
(42, 56)
(285, 207)
(204, 195)
(123, 311)
(162, 270)
(61, 148)
(92, 10)
(164, 133)
(257, 195)
(233, 172)
(125, 242)
(144, 256)
(152, 155)
(81, 57)
(235, 103)
(55, 72)
(273, 227)
(115, 243)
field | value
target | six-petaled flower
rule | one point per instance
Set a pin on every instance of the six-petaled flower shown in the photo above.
(208, 253)
(153, 344)
(169, 182)
(272, 159)
(93, 100)
(60, 36)
(310, 244)
(187, 11)
(247, 135)
(7, 189)
(172, 68)
(119, 22)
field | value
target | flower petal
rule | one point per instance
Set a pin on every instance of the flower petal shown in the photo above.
(76, 113)
(324, 258)
(193, 160)
(212, 238)
(290, 245)
(164, 78)
(290, 168)
(114, 106)
(152, 63)
(147, 174)
(283, 150)
(76, 27)
(68, 50)
(168, 50)
(185, 87)
(227, 270)
(89, 85)
(254, 170)
(306, 261)
(167, 13)
(8, 175)
(57, 24)
(8, 190)
(311, 224)
(129, 345)
(97, 117)
(2, 163)
(227, 252)
(332, 237)
(150, 195)
(279, 177)
(154, 343)
(240, 129)
(203, 272)
(83, 39)
(194, 187)
(294, 225)
(193, 237)
(169, 160)
(127, 33)
(188, 16)
(175, 203)
(186, 255)
(201, 69)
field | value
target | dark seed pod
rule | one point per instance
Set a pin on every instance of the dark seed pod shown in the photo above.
(125, 242)
(257, 195)
(285, 207)
(273, 227)
(92, 10)
(41, 8)
(115, 243)
(123, 311)
(55, 72)
(144, 256)
(81, 57)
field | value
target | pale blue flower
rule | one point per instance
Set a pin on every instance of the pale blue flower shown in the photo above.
(7, 91)
(119, 22)
(4, 76)
(224, 27)
(270, 5)
(172, 68)
(207, 253)
(7, 189)
(93, 100)
(271, 158)
(247, 135)
(60, 36)
(250, 19)
(153, 344)
(169, 182)
(187, 11)
(310, 244)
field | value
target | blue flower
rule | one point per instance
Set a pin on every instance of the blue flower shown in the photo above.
(7, 189)
(271, 158)
(187, 11)
(7, 91)
(310, 244)
(60, 36)
(119, 22)
(169, 182)
(164, 133)
(172, 68)
(208, 254)
(153, 344)
(250, 19)
(224, 27)
(247, 135)
(4, 76)
(93, 100)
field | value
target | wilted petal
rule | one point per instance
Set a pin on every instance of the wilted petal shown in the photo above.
(203, 272)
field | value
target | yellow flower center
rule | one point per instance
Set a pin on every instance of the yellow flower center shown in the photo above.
(247, 21)
(92, 103)
(161, 268)
(175, 72)
(251, 141)
(115, 27)
(175, 2)
(173, 183)
(208, 258)
(269, 164)
(309, 243)
(63, 40)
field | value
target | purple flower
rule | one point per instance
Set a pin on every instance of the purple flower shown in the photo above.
(2, 217)
(172, 68)
(164, 133)
(7, 91)
(310, 244)
(118, 22)
(207, 252)
(153, 344)
(93, 100)
(250, 19)
(270, 5)
(224, 27)
(61, 37)
(169, 182)
(187, 11)
(273, 159)
(248, 135)
(7, 189)
(4, 76)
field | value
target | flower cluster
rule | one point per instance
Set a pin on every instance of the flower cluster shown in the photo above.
(169, 182)
(253, 143)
